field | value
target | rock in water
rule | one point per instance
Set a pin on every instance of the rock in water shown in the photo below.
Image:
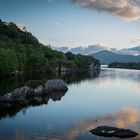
(109, 131)
(33, 89)
(55, 85)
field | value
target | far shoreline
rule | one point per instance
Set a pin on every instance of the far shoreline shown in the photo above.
(127, 65)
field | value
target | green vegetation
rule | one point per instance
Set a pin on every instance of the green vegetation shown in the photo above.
(20, 51)
(128, 65)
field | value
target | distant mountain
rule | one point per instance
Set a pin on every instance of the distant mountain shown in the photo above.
(88, 50)
(61, 49)
(135, 48)
(130, 51)
(107, 57)
(105, 54)
(83, 50)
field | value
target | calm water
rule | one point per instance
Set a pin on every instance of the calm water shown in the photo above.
(112, 98)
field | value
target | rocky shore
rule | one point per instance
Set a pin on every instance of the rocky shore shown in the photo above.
(34, 91)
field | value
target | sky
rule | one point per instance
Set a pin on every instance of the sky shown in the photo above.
(74, 23)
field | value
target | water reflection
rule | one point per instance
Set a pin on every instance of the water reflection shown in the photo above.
(78, 77)
(112, 98)
(126, 118)
(121, 74)
(8, 85)
(8, 110)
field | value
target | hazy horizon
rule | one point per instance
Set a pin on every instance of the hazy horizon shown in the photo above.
(74, 23)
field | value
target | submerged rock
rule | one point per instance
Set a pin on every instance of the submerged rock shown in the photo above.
(109, 131)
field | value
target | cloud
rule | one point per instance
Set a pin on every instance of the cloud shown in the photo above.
(126, 9)
(135, 41)
(58, 24)
(22, 26)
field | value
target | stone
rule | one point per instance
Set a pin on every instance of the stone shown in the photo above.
(109, 131)
(55, 85)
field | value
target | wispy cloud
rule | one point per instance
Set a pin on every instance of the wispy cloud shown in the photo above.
(58, 24)
(135, 41)
(126, 9)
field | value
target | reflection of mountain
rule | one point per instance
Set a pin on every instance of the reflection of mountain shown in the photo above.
(126, 118)
(12, 110)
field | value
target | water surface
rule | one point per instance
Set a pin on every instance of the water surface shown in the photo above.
(112, 98)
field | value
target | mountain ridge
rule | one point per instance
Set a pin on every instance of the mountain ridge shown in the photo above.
(97, 48)
(107, 57)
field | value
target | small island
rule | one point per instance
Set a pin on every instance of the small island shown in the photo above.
(128, 65)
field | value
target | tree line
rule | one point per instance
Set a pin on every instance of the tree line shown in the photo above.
(125, 65)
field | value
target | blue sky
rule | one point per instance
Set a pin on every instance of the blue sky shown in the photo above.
(73, 23)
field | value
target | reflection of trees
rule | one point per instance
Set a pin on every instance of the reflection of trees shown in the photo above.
(8, 85)
(79, 76)
(123, 119)
(11, 83)
(12, 109)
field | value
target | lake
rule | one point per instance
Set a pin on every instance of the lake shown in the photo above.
(111, 98)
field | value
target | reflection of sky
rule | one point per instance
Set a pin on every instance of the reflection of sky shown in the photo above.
(125, 118)
(110, 99)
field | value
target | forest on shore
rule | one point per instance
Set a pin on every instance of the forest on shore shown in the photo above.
(20, 52)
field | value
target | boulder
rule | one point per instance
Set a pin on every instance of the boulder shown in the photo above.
(55, 85)
(109, 131)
